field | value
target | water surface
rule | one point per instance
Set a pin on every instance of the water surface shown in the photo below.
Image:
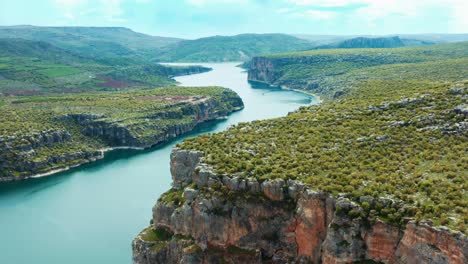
(92, 213)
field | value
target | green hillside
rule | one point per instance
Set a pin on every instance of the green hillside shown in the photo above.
(400, 133)
(36, 67)
(112, 45)
(231, 48)
(382, 42)
(333, 72)
(42, 133)
(431, 38)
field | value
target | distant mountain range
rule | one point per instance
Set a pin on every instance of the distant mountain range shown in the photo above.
(436, 38)
(383, 42)
(122, 46)
(231, 48)
(115, 45)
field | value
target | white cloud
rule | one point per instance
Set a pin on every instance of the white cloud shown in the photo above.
(459, 21)
(378, 9)
(283, 10)
(212, 2)
(69, 3)
(328, 3)
(111, 10)
(320, 15)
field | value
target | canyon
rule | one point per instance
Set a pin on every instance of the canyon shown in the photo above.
(21, 157)
(111, 197)
(315, 186)
(209, 218)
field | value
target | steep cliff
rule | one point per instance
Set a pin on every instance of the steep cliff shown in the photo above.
(332, 73)
(210, 218)
(78, 134)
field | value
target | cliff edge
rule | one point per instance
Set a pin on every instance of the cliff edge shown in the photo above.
(208, 218)
(41, 137)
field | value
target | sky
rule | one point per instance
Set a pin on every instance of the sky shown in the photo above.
(199, 18)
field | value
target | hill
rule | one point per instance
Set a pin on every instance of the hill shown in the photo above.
(409, 109)
(436, 38)
(384, 42)
(230, 48)
(37, 49)
(36, 67)
(376, 175)
(332, 72)
(112, 45)
(40, 134)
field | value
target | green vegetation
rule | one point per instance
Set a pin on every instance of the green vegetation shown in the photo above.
(111, 45)
(381, 42)
(31, 67)
(431, 38)
(41, 133)
(334, 72)
(240, 251)
(153, 235)
(399, 133)
(192, 249)
(415, 54)
(172, 196)
(232, 48)
(159, 237)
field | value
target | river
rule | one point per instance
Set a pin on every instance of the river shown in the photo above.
(91, 214)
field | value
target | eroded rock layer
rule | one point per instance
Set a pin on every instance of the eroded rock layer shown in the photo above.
(46, 152)
(207, 218)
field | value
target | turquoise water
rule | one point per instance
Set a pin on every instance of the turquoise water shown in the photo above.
(92, 213)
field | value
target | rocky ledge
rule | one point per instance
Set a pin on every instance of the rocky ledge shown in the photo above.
(208, 218)
(35, 154)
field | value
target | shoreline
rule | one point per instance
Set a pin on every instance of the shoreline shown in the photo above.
(102, 155)
(67, 168)
(108, 149)
(319, 99)
(284, 87)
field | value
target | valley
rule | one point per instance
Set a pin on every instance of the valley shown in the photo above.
(107, 201)
(374, 174)
(296, 149)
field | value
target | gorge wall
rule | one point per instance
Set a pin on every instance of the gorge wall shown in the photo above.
(46, 152)
(209, 218)
(328, 73)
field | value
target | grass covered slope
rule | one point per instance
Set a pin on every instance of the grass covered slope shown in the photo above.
(39, 134)
(334, 72)
(230, 48)
(401, 133)
(36, 67)
(116, 45)
(381, 42)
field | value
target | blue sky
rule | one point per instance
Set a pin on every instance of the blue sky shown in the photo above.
(198, 18)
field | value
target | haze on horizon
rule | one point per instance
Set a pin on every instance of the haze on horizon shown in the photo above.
(200, 18)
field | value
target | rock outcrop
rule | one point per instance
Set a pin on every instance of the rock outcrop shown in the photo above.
(117, 135)
(214, 218)
(310, 72)
(23, 156)
(18, 154)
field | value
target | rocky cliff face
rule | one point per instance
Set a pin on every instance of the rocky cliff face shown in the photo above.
(18, 154)
(186, 70)
(270, 70)
(117, 135)
(316, 73)
(23, 156)
(208, 218)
